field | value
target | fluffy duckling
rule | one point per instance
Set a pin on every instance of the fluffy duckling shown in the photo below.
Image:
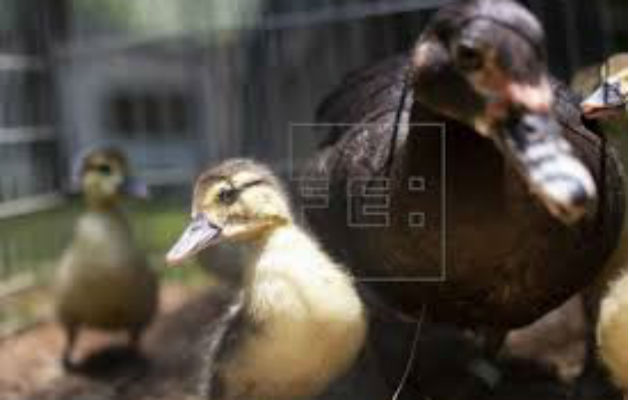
(104, 280)
(612, 331)
(298, 322)
(606, 299)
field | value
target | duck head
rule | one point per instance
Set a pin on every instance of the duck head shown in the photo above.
(103, 176)
(237, 201)
(483, 63)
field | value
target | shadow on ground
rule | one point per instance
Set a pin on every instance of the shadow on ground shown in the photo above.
(448, 366)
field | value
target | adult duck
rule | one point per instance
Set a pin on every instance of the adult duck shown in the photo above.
(490, 203)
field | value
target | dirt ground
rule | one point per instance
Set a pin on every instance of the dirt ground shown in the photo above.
(30, 367)
(446, 367)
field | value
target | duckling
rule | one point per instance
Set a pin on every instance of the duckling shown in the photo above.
(606, 107)
(104, 280)
(612, 331)
(298, 322)
(607, 296)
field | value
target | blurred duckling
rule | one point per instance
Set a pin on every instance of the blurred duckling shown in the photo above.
(612, 331)
(104, 280)
(298, 322)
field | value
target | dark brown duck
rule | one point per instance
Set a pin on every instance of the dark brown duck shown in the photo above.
(499, 202)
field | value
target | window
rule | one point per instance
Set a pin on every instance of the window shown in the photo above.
(158, 115)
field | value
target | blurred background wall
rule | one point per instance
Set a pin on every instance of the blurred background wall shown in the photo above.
(181, 84)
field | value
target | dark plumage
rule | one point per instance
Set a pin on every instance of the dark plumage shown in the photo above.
(485, 252)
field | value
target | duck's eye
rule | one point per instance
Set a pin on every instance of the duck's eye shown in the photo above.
(104, 169)
(227, 196)
(468, 57)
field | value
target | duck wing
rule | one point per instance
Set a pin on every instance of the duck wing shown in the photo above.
(353, 122)
(373, 98)
(366, 94)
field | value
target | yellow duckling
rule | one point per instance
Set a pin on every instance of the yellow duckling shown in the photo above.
(612, 331)
(608, 105)
(298, 322)
(104, 280)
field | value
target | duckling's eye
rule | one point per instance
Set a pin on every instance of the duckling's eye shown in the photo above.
(227, 196)
(104, 169)
(468, 57)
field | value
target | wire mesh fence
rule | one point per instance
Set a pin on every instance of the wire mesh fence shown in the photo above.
(179, 85)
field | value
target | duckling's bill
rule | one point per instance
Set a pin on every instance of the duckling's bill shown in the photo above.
(607, 100)
(611, 97)
(200, 234)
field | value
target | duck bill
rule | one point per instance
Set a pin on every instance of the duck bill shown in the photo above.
(200, 234)
(607, 100)
(533, 144)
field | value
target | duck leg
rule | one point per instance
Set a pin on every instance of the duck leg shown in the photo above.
(72, 332)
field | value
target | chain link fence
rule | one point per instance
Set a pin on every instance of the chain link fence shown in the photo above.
(183, 84)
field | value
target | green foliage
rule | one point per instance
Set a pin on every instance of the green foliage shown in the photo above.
(33, 243)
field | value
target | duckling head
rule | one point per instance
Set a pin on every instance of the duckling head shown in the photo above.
(610, 99)
(238, 201)
(103, 176)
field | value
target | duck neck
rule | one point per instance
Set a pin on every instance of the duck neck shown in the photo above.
(104, 228)
(254, 249)
(442, 159)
